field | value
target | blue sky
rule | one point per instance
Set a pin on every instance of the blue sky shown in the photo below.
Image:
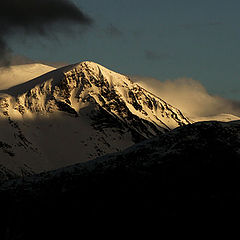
(164, 39)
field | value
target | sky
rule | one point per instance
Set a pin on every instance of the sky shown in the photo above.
(161, 39)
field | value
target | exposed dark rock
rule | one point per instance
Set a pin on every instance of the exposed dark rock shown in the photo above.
(62, 106)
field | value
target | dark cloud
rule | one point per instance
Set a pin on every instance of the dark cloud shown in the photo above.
(17, 59)
(14, 60)
(35, 17)
(154, 56)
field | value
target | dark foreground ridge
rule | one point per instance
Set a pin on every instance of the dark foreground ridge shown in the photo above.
(190, 172)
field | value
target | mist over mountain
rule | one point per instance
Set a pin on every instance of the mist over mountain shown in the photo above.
(17, 74)
(192, 98)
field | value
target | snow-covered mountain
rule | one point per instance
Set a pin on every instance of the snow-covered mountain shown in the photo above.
(74, 114)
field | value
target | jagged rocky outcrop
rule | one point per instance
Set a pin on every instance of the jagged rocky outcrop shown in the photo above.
(75, 114)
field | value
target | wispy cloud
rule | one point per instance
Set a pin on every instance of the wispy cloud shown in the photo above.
(155, 56)
(190, 96)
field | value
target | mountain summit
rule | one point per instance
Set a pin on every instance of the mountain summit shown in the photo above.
(74, 114)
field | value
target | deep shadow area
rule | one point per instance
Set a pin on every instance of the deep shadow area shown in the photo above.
(189, 173)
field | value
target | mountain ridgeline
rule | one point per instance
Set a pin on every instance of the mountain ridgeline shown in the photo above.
(191, 173)
(75, 114)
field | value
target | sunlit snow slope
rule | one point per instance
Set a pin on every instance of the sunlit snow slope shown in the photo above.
(74, 114)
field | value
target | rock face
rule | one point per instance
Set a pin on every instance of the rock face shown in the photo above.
(191, 172)
(75, 114)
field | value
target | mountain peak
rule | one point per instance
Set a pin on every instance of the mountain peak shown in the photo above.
(75, 114)
(87, 81)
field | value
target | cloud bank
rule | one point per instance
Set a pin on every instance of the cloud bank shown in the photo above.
(190, 97)
(35, 17)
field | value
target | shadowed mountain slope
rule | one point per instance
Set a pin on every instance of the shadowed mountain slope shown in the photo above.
(191, 172)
